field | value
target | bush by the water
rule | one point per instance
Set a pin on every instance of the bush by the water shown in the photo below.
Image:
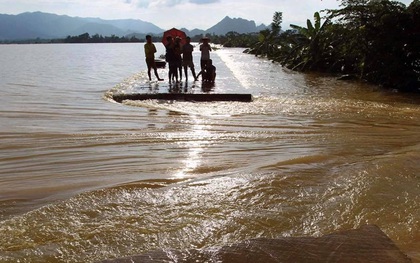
(377, 41)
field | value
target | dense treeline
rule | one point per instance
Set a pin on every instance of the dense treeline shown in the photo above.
(231, 39)
(376, 40)
(86, 38)
(83, 38)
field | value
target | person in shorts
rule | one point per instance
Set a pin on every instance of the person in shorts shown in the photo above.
(187, 58)
(149, 51)
(205, 49)
(171, 58)
(178, 56)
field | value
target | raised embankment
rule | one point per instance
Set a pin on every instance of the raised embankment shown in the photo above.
(183, 96)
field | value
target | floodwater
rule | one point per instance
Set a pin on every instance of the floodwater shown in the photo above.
(83, 178)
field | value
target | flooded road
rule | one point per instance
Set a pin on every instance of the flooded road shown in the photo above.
(83, 178)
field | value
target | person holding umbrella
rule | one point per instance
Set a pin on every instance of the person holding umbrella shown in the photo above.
(150, 50)
(169, 39)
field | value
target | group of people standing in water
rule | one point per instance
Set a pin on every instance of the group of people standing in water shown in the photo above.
(180, 56)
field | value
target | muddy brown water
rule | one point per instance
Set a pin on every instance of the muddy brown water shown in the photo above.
(83, 178)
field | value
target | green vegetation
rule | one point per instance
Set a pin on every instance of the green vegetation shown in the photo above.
(376, 40)
(86, 38)
(83, 38)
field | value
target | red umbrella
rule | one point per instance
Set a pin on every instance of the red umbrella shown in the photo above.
(173, 32)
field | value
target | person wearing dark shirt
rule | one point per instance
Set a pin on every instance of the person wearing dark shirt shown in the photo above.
(187, 58)
(171, 59)
(209, 72)
(205, 49)
(178, 57)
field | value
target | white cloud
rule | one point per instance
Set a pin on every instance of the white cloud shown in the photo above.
(203, 2)
(140, 3)
(155, 3)
(167, 3)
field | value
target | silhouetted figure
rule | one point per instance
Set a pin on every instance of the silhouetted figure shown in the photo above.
(171, 59)
(205, 52)
(149, 51)
(178, 57)
(187, 58)
(208, 73)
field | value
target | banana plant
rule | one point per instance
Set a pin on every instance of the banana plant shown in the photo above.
(310, 43)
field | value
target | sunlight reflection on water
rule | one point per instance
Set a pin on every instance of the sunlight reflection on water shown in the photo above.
(199, 138)
(84, 179)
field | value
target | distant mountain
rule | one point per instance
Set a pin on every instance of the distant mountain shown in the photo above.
(261, 27)
(226, 25)
(49, 26)
(45, 25)
(238, 25)
(197, 31)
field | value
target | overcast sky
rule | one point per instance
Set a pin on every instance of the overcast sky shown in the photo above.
(166, 14)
